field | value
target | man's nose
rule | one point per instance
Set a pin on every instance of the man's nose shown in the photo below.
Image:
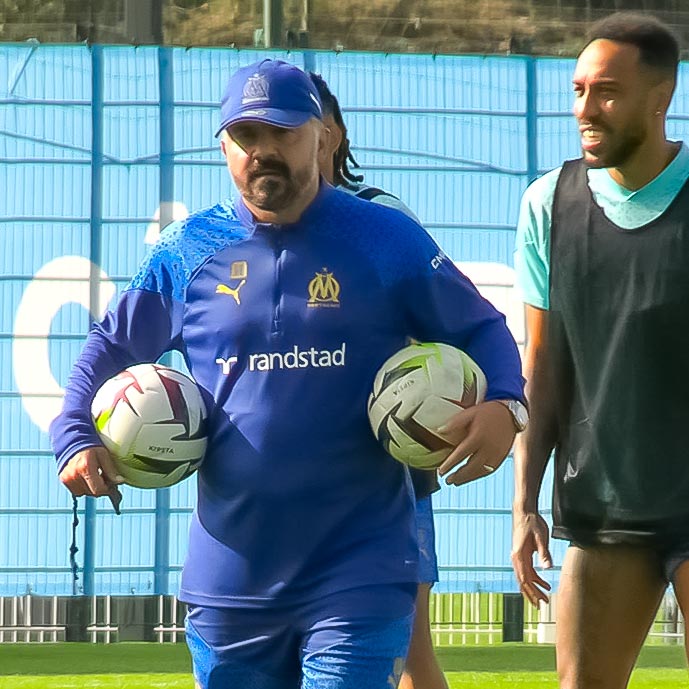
(265, 146)
(585, 106)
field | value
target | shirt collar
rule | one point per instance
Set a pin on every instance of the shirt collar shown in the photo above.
(677, 170)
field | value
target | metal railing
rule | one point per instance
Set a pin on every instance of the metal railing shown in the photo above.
(457, 619)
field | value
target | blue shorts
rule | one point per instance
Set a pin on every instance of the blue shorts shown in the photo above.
(425, 529)
(317, 645)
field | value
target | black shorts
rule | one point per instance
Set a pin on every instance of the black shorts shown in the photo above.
(672, 556)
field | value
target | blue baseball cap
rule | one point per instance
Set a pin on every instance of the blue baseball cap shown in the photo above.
(270, 91)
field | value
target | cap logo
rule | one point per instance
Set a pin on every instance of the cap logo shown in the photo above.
(256, 112)
(255, 89)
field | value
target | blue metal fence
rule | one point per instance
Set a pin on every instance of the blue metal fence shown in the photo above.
(99, 146)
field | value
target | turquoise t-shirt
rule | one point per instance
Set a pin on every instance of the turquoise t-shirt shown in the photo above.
(627, 209)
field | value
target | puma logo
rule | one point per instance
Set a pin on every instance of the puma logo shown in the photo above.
(232, 291)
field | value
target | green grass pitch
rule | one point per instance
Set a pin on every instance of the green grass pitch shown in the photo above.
(144, 666)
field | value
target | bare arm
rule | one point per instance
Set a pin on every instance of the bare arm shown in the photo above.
(531, 454)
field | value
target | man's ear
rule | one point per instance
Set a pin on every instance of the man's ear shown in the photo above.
(325, 141)
(223, 143)
(662, 97)
(334, 138)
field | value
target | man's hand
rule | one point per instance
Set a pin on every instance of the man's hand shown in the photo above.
(92, 472)
(530, 535)
(484, 434)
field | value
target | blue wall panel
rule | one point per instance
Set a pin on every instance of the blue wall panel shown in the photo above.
(448, 134)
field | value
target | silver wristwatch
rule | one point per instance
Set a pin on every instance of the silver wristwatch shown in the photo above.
(520, 414)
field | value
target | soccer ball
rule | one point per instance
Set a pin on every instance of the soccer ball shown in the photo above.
(152, 419)
(414, 393)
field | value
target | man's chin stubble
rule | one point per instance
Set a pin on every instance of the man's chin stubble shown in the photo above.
(271, 196)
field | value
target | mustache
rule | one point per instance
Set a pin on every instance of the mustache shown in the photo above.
(268, 166)
(596, 124)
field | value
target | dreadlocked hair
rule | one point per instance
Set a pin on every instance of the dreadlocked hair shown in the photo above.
(343, 155)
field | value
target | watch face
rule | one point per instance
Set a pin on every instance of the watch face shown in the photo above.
(521, 416)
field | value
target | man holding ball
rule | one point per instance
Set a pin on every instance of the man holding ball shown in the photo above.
(301, 569)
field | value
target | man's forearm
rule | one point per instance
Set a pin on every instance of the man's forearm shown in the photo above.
(534, 446)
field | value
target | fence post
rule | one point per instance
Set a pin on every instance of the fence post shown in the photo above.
(309, 61)
(143, 21)
(272, 23)
(512, 617)
(161, 566)
(96, 251)
(531, 119)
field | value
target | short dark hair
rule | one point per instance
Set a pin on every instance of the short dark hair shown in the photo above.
(658, 46)
(342, 173)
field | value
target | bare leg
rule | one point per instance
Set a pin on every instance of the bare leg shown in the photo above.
(681, 586)
(422, 670)
(607, 600)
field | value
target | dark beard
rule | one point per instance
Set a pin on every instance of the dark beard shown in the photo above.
(619, 151)
(275, 192)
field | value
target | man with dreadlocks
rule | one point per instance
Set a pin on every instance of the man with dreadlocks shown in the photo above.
(337, 154)
(422, 670)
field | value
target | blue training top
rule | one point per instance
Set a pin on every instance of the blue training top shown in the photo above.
(285, 327)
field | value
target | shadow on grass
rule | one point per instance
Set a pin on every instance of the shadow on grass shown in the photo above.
(87, 659)
(92, 659)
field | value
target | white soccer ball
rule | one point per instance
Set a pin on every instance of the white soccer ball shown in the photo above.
(152, 419)
(414, 393)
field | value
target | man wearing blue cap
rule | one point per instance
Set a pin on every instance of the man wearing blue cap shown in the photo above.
(302, 562)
